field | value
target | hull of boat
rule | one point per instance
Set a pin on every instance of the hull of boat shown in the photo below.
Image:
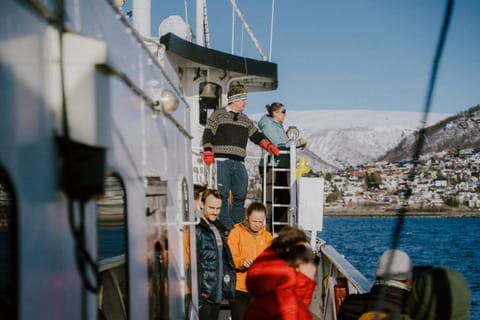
(107, 72)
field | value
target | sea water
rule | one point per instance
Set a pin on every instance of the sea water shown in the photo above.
(448, 242)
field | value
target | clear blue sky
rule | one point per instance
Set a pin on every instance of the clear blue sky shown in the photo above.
(352, 54)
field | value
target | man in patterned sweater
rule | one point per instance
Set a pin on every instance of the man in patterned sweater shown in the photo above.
(225, 140)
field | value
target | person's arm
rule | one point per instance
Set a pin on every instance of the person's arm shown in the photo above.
(258, 137)
(305, 283)
(207, 140)
(208, 132)
(234, 243)
(199, 247)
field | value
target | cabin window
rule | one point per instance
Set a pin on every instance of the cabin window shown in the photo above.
(8, 249)
(112, 250)
(157, 241)
(209, 100)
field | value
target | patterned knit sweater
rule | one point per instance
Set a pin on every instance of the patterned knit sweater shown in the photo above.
(227, 134)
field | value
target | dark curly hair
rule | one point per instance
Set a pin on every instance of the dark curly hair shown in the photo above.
(290, 245)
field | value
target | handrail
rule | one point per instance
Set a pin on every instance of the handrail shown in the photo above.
(111, 262)
(354, 277)
(293, 182)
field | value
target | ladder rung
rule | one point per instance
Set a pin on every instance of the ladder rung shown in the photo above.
(281, 187)
(281, 170)
(278, 205)
(280, 223)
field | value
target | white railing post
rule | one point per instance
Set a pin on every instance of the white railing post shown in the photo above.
(293, 181)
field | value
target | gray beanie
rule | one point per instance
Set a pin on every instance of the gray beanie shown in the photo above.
(394, 264)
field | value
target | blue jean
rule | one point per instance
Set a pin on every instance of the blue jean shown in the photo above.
(232, 176)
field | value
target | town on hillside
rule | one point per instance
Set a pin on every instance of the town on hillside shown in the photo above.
(439, 182)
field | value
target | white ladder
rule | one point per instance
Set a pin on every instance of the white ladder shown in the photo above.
(279, 184)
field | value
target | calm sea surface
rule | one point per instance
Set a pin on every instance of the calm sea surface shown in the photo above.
(449, 242)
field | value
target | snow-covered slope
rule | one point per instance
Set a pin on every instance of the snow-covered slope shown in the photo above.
(342, 138)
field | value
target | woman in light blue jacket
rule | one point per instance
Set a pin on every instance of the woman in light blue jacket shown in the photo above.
(271, 125)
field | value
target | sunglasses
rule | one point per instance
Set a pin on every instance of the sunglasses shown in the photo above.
(282, 111)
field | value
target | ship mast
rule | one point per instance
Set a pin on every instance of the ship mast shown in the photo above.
(141, 12)
(199, 32)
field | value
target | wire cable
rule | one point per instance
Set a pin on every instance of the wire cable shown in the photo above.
(421, 133)
(419, 143)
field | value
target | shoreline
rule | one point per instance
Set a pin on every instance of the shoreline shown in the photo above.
(379, 212)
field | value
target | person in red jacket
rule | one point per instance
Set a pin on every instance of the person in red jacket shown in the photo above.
(281, 279)
(247, 240)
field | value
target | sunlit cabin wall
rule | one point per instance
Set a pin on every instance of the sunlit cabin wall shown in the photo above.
(159, 149)
(48, 284)
(140, 142)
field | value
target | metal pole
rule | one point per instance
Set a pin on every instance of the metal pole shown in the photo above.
(293, 181)
(141, 12)
(199, 33)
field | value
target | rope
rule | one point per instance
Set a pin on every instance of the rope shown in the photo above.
(419, 143)
(421, 134)
(247, 27)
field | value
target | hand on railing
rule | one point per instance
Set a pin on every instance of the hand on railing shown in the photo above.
(270, 147)
(303, 143)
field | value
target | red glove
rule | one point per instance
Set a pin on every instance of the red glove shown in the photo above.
(270, 147)
(208, 157)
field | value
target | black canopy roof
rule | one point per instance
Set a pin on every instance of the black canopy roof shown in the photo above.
(261, 75)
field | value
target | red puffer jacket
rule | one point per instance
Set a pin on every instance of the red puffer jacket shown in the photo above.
(279, 291)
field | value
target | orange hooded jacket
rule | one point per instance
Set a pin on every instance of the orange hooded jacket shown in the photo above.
(244, 245)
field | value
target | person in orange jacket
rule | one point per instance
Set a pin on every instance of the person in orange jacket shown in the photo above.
(247, 240)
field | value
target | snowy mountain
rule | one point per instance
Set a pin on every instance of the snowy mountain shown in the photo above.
(341, 138)
(456, 132)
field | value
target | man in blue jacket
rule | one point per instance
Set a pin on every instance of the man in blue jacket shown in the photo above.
(216, 271)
